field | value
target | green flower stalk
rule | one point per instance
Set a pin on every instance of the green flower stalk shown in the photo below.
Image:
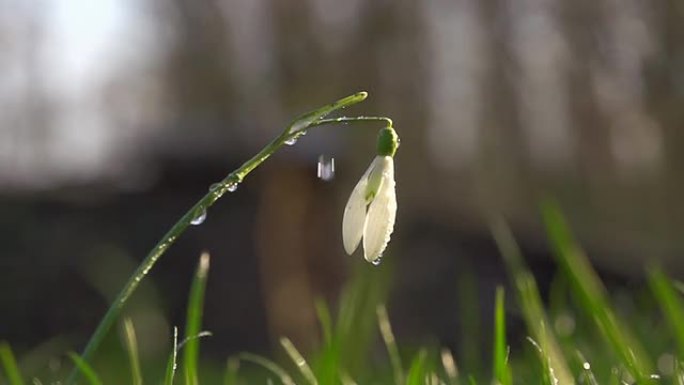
(292, 132)
(372, 207)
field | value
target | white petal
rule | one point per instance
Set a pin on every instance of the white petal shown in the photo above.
(381, 214)
(355, 214)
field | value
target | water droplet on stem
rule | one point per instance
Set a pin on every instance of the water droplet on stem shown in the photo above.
(291, 141)
(199, 218)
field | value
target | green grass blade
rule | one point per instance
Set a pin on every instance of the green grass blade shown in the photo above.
(670, 303)
(268, 365)
(132, 350)
(391, 344)
(502, 371)
(587, 373)
(449, 366)
(232, 367)
(592, 295)
(531, 304)
(325, 320)
(346, 379)
(548, 373)
(356, 324)
(418, 369)
(9, 363)
(87, 371)
(172, 362)
(470, 333)
(678, 373)
(299, 360)
(193, 321)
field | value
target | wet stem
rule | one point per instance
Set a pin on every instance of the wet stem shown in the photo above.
(293, 131)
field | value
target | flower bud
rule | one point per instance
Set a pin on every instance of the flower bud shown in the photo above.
(388, 142)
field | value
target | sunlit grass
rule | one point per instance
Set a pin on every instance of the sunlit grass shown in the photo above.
(603, 346)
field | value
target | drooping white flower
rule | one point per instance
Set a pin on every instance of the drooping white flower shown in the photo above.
(372, 207)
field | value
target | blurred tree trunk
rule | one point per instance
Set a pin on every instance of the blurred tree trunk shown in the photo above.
(503, 160)
(582, 21)
(665, 96)
(282, 239)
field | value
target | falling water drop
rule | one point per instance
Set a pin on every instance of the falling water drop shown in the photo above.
(326, 167)
(199, 218)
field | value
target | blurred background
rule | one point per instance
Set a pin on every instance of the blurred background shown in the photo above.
(116, 116)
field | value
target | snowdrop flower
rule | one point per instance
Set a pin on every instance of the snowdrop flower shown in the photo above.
(372, 206)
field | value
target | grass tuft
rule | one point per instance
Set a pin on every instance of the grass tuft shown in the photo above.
(550, 354)
(587, 287)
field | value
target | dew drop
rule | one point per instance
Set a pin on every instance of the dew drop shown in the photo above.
(291, 141)
(326, 167)
(220, 188)
(199, 218)
(300, 125)
(376, 262)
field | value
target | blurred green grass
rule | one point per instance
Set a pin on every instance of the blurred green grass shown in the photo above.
(578, 336)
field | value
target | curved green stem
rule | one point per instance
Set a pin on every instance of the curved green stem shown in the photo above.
(355, 119)
(294, 130)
